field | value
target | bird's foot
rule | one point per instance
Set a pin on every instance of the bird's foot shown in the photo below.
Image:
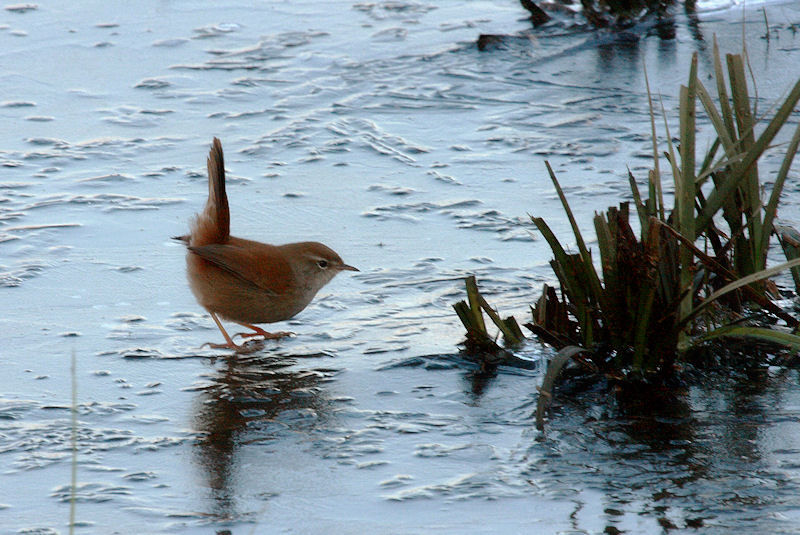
(261, 332)
(241, 349)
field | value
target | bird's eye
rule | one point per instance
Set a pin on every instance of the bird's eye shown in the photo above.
(323, 264)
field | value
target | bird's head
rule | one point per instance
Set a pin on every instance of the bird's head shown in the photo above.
(317, 264)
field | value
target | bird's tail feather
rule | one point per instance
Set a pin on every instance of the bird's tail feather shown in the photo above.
(213, 224)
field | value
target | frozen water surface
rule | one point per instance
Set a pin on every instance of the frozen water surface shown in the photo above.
(381, 130)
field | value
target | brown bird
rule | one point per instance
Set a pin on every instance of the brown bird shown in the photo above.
(246, 281)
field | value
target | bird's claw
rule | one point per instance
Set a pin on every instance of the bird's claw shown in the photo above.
(267, 335)
(242, 349)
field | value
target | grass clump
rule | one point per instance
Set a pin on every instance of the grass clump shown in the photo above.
(694, 273)
(478, 341)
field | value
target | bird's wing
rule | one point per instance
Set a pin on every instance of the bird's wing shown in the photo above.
(262, 268)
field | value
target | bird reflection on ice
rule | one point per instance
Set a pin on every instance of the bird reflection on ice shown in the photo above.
(251, 400)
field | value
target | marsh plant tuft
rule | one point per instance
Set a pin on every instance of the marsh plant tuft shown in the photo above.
(665, 281)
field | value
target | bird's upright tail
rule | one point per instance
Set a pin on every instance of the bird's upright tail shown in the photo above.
(213, 224)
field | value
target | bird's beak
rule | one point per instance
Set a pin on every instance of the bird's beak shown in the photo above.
(345, 267)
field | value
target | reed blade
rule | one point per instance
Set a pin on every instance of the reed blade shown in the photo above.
(685, 186)
(553, 370)
(758, 333)
(744, 281)
(473, 298)
(771, 209)
(720, 195)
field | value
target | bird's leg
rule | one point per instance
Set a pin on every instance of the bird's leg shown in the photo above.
(229, 341)
(261, 332)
